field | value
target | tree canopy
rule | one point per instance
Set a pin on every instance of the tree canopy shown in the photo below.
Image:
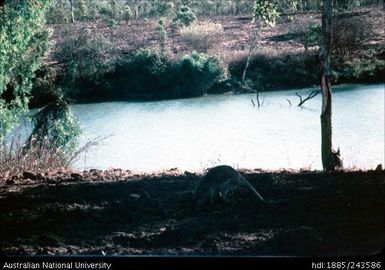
(23, 42)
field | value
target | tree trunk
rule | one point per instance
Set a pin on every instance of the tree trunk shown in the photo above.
(245, 70)
(72, 11)
(326, 113)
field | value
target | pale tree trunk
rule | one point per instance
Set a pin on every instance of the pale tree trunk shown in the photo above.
(72, 11)
(253, 42)
(330, 158)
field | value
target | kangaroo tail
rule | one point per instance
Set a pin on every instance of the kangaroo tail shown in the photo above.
(243, 182)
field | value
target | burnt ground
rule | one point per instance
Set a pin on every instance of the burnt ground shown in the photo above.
(120, 213)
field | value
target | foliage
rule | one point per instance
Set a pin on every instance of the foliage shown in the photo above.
(307, 33)
(86, 10)
(294, 69)
(23, 42)
(266, 11)
(162, 8)
(149, 60)
(201, 35)
(370, 67)
(349, 34)
(162, 35)
(113, 11)
(58, 12)
(55, 125)
(142, 75)
(184, 17)
(149, 75)
(127, 13)
(85, 57)
(196, 73)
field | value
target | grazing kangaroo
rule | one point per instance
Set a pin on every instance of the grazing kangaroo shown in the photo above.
(337, 161)
(219, 181)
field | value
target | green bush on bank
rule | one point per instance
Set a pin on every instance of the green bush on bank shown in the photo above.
(149, 74)
(272, 70)
(195, 74)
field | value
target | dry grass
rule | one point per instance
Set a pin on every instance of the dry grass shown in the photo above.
(38, 157)
(201, 35)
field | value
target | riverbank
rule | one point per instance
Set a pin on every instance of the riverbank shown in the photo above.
(128, 74)
(118, 212)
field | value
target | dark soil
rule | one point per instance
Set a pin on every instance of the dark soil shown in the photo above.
(116, 212)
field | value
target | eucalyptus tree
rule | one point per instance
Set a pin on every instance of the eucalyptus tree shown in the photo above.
(330, 158)
(267, 12)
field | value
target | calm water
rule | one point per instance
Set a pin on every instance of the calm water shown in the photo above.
(193, 134)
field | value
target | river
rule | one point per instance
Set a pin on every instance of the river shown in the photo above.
(196, 133)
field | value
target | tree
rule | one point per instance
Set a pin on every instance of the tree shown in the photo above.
(330, 158)
(23, 42)
(72, 11)
(162, 35)
(56, 127)
(265, 12)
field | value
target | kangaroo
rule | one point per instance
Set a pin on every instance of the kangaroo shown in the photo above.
(220, 180)
(337, 161)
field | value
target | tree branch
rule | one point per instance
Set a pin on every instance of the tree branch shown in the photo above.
(310, 96)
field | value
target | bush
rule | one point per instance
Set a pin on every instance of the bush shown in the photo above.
(184, 17)
(201, 36)
(113, 10)
(143, 75)
(58, 12)
(368, 68)
(149, 75)
(294, 69)
(306, 32)
(127, 13)
(349, 35)
(86, 58)
(162, 36)
(55, 125)
(162, 8)
(195, 74)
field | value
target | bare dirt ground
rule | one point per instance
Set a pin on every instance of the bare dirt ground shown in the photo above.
(120, 213)
(232, 44)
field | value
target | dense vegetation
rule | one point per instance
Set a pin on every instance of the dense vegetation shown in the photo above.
(24, 40)
(178, 56)
(53, 52)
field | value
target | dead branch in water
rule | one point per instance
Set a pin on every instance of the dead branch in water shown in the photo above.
(310, 96)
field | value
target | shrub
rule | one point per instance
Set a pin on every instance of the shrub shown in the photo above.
(86, 58)
(195, 74)
(113, 10)
(127, 13)
(201, 35)
(142, 75)
(368, 68)
(184, 17)
(54, 124)
(162, 8)
(294, 69)
(149, 75)
(58, 12)
(349, 34)
(162, 35)
(306, 32)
